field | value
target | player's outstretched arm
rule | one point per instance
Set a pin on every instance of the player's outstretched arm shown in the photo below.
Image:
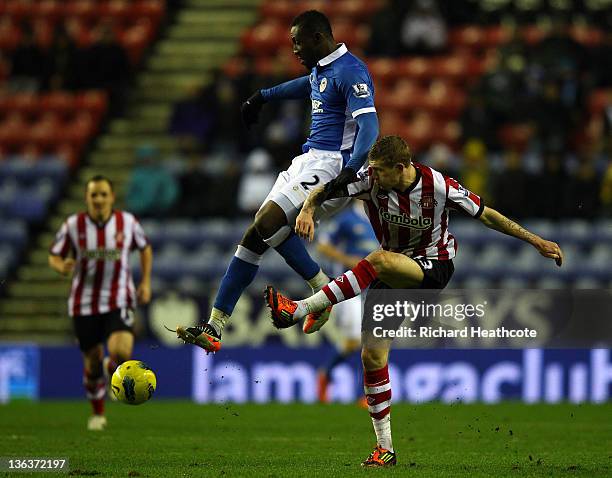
(290, 90)
(495, 220)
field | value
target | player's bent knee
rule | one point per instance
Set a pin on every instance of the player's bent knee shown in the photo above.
(252, 241)
(277, 237)
(380, 261)
(269, 219)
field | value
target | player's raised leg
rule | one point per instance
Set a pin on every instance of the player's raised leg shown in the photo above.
(395, 270)
(240, 272)
(377, 388)
(270, 229)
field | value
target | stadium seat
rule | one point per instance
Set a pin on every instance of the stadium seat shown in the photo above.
(532, 34)
(48, 10)
(355, 36)
(402, 98)
(550, 282)
(24, 103)
(589, 37)
(27, 172)
(574, 232)
(83, 10)
(27, 205)
(383, 71)
(602, 231)
(514, 283)
(281, 11)
(13, 232)
(10, 34)
(93, 101)
(265, 38)
(470, 37)
(60, 102)
(415, 68)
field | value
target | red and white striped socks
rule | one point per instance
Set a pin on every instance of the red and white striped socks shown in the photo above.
(95, 390)
(377, 388)
(345, 287)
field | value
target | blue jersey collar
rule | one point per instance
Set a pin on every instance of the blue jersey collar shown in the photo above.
(333, 56)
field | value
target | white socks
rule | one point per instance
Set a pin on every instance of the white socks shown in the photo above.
(382, 428)
(314, 303)
(318, 281)
(218, 319)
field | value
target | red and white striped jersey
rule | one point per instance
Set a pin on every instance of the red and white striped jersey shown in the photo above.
(415, 222)
(102, 279)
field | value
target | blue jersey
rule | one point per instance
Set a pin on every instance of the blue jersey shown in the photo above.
(352, 233)
(341, 90)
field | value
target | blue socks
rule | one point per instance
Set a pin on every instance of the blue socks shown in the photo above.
(238, 276)
(296, 255)
(245, 264)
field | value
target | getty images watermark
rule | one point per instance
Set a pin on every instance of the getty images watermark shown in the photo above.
(488, 318)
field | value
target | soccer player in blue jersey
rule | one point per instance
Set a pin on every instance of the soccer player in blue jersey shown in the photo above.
(347, 239)
(344, 126)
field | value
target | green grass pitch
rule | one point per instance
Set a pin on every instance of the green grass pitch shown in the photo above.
(174, 438)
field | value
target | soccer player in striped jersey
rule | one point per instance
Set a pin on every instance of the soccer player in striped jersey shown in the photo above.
(94, 248)
(408, 206)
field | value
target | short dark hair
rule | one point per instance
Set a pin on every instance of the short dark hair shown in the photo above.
(313, 21)
(391, 150)
(99, 177)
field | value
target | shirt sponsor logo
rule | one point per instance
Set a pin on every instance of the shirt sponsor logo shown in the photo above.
(361, 90)
(317, 106)
(323, 85)
(102, 254)
(404, 220)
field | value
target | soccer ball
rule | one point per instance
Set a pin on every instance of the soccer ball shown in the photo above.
(133, 382)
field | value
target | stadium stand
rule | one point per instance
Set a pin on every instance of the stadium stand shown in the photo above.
(222, 50)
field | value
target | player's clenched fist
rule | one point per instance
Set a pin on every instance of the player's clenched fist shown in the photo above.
(67, 267)
(550, 249)
(250, 109)
(144, 293)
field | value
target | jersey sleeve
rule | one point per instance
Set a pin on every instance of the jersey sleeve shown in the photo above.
(356, 86)
(62, 244)
(361, 188)
(140, 240)
(459, 198)
(290, 90)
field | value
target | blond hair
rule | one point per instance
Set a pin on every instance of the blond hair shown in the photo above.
(390, 150)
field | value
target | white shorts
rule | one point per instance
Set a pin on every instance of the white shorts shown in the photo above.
(308, 171)
(347, 315)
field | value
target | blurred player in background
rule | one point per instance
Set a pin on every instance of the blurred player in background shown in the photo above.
(94, 247)
(408, 205)
(347, 239)
(344, 126)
